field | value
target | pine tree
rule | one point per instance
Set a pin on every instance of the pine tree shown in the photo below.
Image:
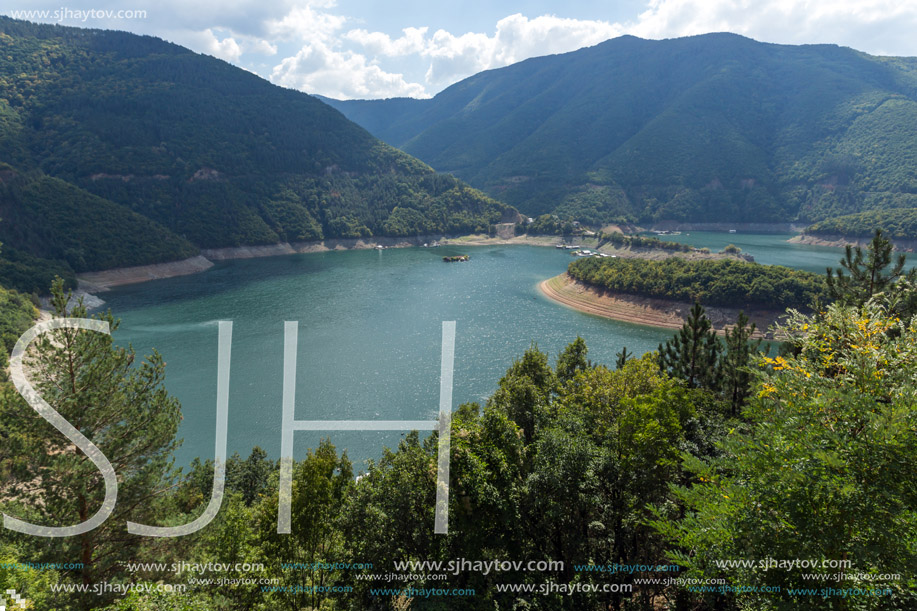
(572, 359)
(123, 409)
(865, 275)
(623, 357)
(692, 354)
(735, 377)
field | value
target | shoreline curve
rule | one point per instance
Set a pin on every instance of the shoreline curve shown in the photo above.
(647, 311)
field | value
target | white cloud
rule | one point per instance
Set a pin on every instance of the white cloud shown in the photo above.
(382, 44)
(516, 38)
(319, 35)
(261, 46)
(316, 68)
(308, 21)
(230, 48)
(874, 26)
(207, 42)
(455, 57)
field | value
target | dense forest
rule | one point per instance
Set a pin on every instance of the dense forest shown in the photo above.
(710, 128)
(897, 224)
(620, 240)
(640, 481)
(715, 283)
(161, 151)
(17, 313)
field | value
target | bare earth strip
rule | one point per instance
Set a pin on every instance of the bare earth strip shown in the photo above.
(644, 310)
(101, 281)
(839, 241)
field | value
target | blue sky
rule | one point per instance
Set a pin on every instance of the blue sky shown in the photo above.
(371, 49)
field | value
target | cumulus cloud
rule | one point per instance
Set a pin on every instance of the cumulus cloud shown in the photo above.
(379, 43)
(307, 21)
(320, 48)
(874, 26)
(322, 64)
(226, 46)
(316, 68)
(208, 42)
(516, 38)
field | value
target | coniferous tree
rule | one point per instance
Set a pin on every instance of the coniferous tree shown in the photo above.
(865, 274)
(735, 377)
(124, 409)
(692, 354)
(623, 357)
(572, 359)
(823, 468)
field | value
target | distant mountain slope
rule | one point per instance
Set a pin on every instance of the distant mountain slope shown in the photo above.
(897, 224)
(707, 128)
(120, 149)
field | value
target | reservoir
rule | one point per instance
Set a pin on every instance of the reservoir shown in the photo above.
(369, 337)
(369, 333)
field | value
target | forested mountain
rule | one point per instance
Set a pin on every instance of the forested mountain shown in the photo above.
(120, 149)
(715, 127)
(897, 223)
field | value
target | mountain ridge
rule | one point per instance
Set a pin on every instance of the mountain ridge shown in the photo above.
(715, 126)
(184, 151)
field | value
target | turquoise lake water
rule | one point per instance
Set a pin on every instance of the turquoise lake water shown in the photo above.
(369, 336)
(770, 249)
(369, 333)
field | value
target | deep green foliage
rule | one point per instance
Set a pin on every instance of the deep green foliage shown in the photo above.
(547, 224)
(124, 409)
(583, 465)
(620, 240)
(705, 128)
(897, 224)
(573, 360)
(17, 313)
(622, 357)
(863, 275)
(693, 353)
(695, 356)
(735, 378)
(120, 149)
(322, 483)
(30, 274)
(823, 472)
(52, 219)
(714, 283)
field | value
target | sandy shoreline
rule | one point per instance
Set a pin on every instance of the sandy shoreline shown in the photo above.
(643, 310)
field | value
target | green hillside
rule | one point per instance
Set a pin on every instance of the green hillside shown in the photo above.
(707, 128)
(714, 283)
(900, 223)
(119, 149)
